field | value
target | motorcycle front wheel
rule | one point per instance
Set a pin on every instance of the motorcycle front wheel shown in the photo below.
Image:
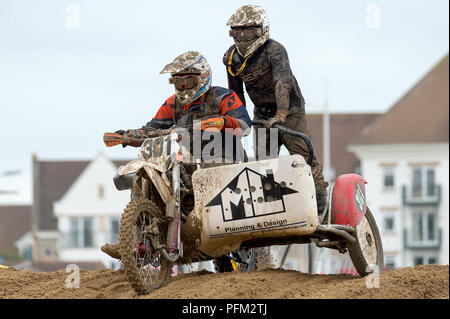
(366, 252)
(145, 267)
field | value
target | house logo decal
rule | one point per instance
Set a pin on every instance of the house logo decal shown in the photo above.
(251, 194)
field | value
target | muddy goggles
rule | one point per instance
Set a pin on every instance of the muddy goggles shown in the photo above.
(246, 34)
(185, 82)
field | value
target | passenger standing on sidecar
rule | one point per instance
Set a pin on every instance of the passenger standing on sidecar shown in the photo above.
(262, 64)
(194, 99)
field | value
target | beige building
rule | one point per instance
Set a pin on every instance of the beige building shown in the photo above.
(404, 157)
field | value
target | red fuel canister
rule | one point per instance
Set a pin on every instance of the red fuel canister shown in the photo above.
(348, 204)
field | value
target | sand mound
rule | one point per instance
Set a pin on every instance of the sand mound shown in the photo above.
(430, 281)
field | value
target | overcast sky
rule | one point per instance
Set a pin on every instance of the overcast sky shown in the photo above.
(71, 70)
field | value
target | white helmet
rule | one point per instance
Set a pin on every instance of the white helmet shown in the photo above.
(190, 62)
(249, 16)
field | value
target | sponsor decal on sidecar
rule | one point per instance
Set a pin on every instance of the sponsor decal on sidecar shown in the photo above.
(251, 195)
(360, 199)
(256, 190)
(268, 198)
(264, 226)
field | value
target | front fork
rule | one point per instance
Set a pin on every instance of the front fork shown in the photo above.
(173, 210)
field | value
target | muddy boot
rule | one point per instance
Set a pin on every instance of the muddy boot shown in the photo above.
(112, 250)
(321, 198)
(321, 189)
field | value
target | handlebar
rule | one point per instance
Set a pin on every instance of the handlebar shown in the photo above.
(293, 133)
(156, 133)
(112, 139)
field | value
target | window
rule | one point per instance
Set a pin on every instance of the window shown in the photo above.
(425, 260)
(114, 223)
(81, 232)
(388, 177)
(389, 263)
(418, 261)
(389, 223)
(423, 182)
(424, 226)
(87, 232)
(101, 192)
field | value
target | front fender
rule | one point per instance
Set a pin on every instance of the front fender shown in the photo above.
(124, 178)
(124, 182)
(130, 167)
(348, 205)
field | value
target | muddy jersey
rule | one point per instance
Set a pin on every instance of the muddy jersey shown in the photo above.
(268, 79)
(218, 101)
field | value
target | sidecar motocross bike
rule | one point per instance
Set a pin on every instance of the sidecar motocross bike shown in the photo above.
(185, 213)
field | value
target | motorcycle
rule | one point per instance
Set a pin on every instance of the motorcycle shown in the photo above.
(184, 212)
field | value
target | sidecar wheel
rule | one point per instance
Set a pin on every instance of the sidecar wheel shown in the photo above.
(367, 251)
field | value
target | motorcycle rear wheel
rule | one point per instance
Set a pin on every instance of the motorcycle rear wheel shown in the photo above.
(227, 263)
(367, 251)
(251, 260)
(145, 267)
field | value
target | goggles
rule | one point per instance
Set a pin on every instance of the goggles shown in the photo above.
(185, 82)
(246, 34)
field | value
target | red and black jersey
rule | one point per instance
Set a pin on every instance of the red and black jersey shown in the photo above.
(217, 101)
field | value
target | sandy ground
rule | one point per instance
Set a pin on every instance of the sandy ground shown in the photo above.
(430, 281)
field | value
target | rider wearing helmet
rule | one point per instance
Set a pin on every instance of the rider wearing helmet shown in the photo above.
(262, 64)
(194, 99)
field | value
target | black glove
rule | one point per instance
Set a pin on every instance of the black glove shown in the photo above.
(277, 119)
(135, 133)
(121, 132)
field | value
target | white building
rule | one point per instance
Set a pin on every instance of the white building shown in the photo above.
(76, 209)
(405, 159)
(89, 212)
